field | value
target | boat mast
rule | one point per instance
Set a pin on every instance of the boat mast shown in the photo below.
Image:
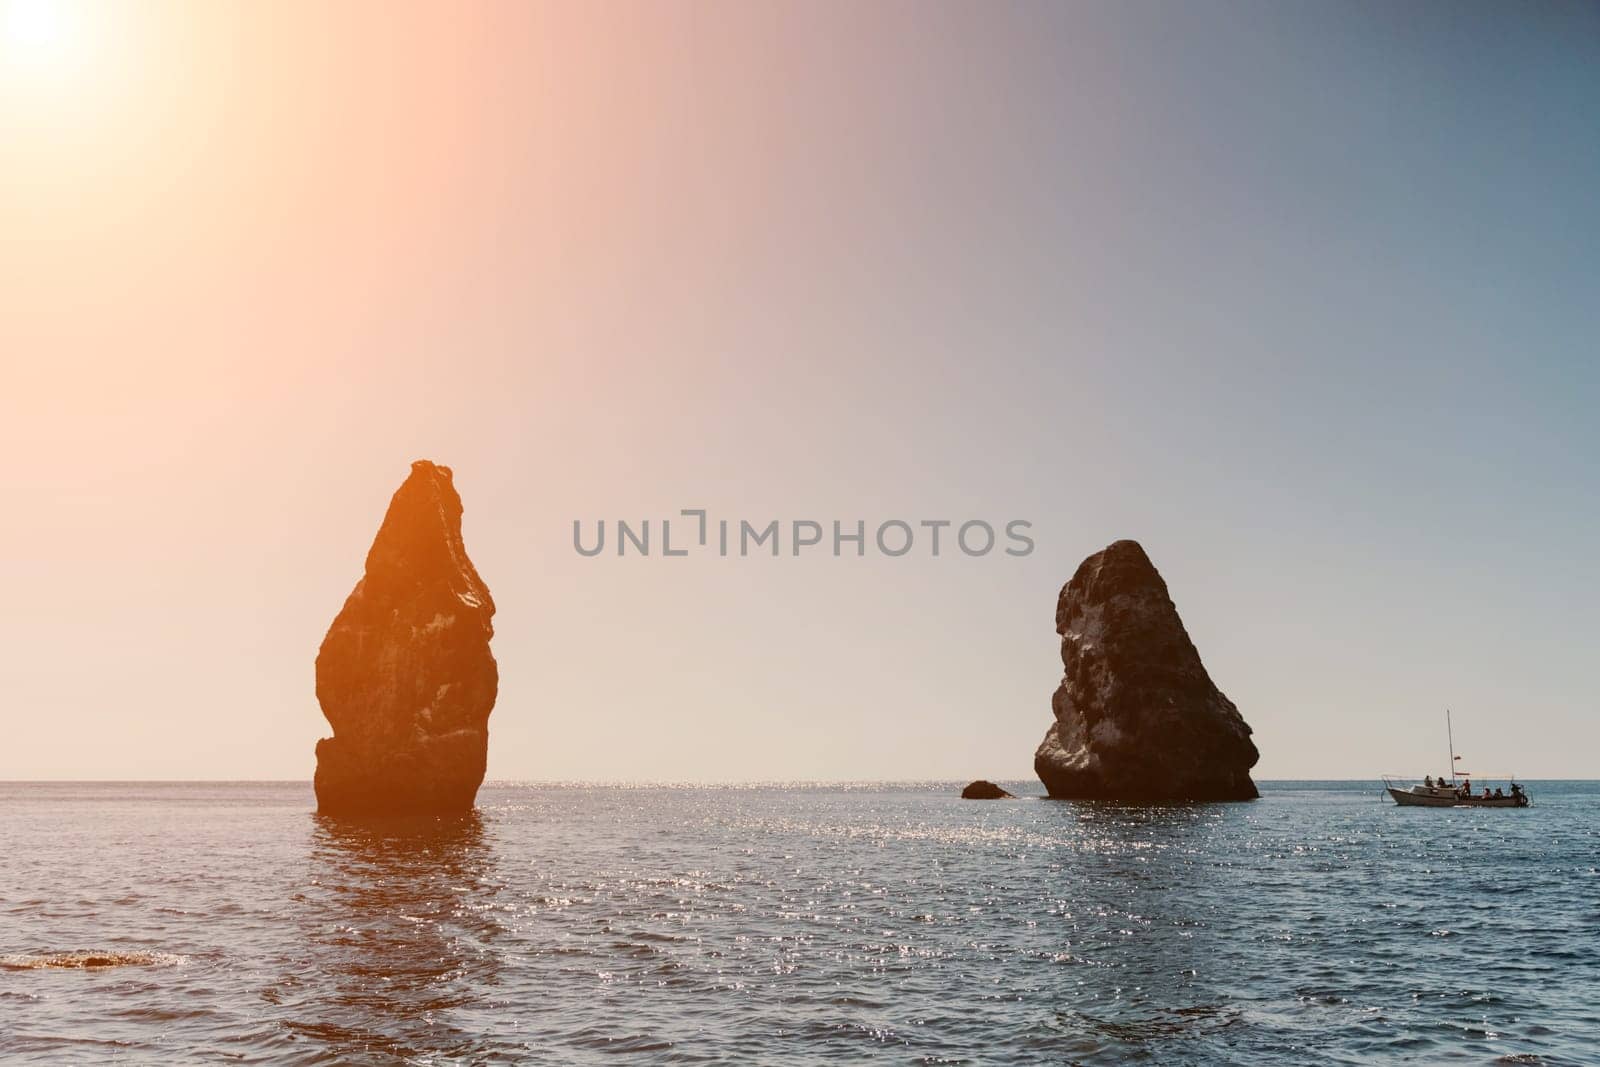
(1451, 735)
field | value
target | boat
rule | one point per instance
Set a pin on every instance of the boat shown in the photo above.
(1457, 792)
(1452, 795)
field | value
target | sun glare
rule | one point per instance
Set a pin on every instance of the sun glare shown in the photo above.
(40, 34)
(35, 26)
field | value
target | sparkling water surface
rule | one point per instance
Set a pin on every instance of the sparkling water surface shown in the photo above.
(798, 924)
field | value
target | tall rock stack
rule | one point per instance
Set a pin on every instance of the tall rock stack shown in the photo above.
(405, 675)
(1137, 716)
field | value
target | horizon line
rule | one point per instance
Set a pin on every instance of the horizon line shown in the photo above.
(668, 783)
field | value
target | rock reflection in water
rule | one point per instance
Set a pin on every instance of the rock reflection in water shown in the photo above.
(1137, 914)
(400, 932)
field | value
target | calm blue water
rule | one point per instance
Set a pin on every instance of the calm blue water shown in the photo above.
(800, 925)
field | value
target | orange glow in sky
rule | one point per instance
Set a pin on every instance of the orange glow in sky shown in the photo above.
(1308, 314)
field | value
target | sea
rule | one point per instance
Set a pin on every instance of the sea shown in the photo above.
(796, 924)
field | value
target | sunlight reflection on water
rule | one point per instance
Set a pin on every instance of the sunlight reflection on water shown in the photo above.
(684, 925)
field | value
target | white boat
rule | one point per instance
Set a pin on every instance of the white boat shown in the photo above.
(1454, 795)
(1458, 791)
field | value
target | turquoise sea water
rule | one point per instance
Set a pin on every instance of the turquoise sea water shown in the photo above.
(799, 924)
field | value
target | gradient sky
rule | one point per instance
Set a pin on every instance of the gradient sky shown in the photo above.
(1304, 297)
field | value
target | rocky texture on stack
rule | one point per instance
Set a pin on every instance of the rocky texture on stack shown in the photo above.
(405, 675)
(984, 790)
(1137, 717)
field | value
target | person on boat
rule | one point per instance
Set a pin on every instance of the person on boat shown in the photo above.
(1428, 781)
(1497, 794)
(1486, 792)
(1467, 789)
(1516, 790)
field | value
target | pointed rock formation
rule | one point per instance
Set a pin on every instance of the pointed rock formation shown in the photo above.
(405, 675)
(985, 790)
(1137, 717)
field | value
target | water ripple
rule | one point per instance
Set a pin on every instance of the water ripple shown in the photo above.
(794, 923)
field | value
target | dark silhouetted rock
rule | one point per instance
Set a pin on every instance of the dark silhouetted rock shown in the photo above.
(1137, 717)
(982, 790)
(405, 675)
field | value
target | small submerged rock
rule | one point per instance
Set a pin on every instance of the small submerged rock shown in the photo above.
(87, 960)
(983, 790)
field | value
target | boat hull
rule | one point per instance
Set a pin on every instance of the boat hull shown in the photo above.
(1407, 799)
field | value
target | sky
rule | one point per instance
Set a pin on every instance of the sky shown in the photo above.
(1302, 297)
